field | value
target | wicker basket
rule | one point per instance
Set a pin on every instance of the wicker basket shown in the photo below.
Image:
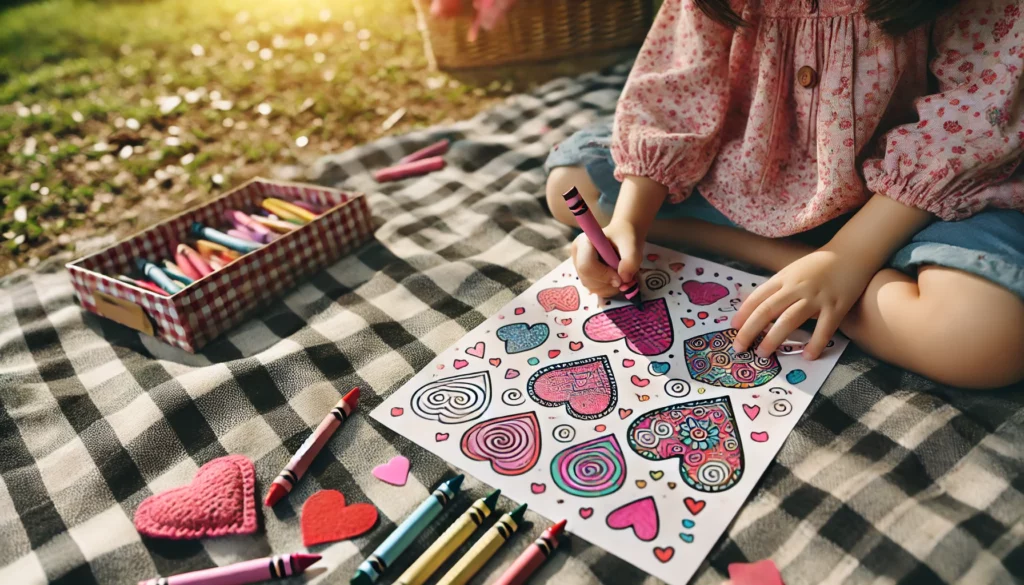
(536, 31)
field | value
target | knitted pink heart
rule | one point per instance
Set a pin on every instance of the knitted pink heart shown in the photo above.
(219, 501)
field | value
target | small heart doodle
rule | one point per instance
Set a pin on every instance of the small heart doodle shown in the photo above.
(656, 475)
(519, 310)
(511, 373)
(759, 437)
(625, 412)
(641, 483)
(495, 362)
(520, 337)
(565, 298)
(686, 537)
(397, 411)
(639, 382)
(477, 350)
(664, 554)
(553, 353)
(459, 364)
(671, 485)
(441, 437)
(565, 321)
(694, 506)
(751, 411)
(575, 345)
(676, 266)
(586, 513)
(640, 515)
(538, 488)
(628, 363)
(688, 322)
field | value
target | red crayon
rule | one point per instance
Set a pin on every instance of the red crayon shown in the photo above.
(533, 557)
(307, 452)
(186, 256)
(436, 149)
(254, 571)
(143, 284)
(412, 169)
(588, 223)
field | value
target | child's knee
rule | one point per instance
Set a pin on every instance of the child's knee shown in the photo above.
(560, 180)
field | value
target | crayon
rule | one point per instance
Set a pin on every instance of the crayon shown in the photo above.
(411, 169)
(189, 260)
(254, 571)
(533, 557)
(281, 212)
(241, 220)
(588, 223)
(482, 551)
(377, 563)
(142, 284)
(446, 544)
(216, 262)
(237, 244)
(303, 214)
(308, 450)
(436, 149)
(153, 272)
(174, 272)
(243, 234)
(281, 227)
(208, 249)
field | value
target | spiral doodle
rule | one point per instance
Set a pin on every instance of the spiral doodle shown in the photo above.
(591, 469)
(677, 388)
(454, 400)
(711, 360)
(781, 407)
(702, 434)
(656, 279)
(564, 433)
(510, 443)
(513, 397)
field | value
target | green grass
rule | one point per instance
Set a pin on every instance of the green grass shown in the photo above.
(80, 81)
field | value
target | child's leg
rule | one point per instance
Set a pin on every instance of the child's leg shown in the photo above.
(692, 234)
(948, 325)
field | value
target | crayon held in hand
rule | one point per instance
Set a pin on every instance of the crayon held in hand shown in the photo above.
(412, 169)
(436, 149)
(533, 557)
(446, 544)
(244, 573)
(307, 452)
(237, 244)
(397, 542)
(482, 551)
(588, 223)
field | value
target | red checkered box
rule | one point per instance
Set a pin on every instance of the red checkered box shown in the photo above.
(219, 301)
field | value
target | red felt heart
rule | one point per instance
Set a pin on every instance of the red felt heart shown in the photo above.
(326, 518)
(219, 501)
(694, 506)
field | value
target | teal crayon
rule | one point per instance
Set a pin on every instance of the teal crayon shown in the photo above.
(174, 272)
(153, 272)
(377, 563)
(236, 244)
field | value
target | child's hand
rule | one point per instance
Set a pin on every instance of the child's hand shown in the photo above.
(598, 277)
(823, 285)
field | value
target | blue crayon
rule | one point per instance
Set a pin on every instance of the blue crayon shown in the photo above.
(373, 567)
(236, 244)
(172, 270)
(153, 272)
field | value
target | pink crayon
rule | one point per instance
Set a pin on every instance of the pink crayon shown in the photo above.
(533, 557)
(588, 223)
(241, 220)
(243, 234)
(411, 169)
(436, 149)
(187, 257)
(254, 571)
(307, 452)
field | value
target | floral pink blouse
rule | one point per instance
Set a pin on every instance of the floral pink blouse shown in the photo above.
(797, 118)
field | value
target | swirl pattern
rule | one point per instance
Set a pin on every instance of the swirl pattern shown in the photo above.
(656, 279)
(591, 469)
(510, 443)
(564, 433)
(780, 407)
(711, 360)
(513, 397)
(454, 400)
(677, 388)
(701, 434)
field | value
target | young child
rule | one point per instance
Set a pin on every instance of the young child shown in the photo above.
(744, 122)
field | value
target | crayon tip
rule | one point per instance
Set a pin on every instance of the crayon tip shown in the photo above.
(638, 302)
(141, 263)
(557, 529)
(518, 513)
(570, 193)
(196, 228)
(492, 500)
(360, 578)
(274, 494)
(352, 398)
(455, 483)
(304, 560)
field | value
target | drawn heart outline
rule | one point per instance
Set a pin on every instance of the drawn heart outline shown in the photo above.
(640, 515)
(694, 506)
(477, 350)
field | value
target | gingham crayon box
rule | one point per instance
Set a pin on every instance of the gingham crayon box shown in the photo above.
(217, 302)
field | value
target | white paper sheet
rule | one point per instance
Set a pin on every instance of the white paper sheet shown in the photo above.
(615, 419)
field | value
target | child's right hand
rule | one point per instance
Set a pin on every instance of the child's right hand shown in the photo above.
(598, 277)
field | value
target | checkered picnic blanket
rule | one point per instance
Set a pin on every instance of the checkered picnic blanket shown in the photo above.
(886, 479)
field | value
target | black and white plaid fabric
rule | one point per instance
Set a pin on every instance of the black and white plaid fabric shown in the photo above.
(887, 478)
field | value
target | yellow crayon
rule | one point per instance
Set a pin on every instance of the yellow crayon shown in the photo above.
(303, 214)
(446, 544)
(281, 227)
(208, 248)
(484, 549)
(281, 212)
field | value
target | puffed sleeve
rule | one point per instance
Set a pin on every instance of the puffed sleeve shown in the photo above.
(957, 158)
(670, 115)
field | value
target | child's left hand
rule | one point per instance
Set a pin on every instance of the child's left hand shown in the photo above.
(823, 285)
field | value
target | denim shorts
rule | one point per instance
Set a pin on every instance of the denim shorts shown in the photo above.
(989, 244)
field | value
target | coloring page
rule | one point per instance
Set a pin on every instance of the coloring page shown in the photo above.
(641, 427)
